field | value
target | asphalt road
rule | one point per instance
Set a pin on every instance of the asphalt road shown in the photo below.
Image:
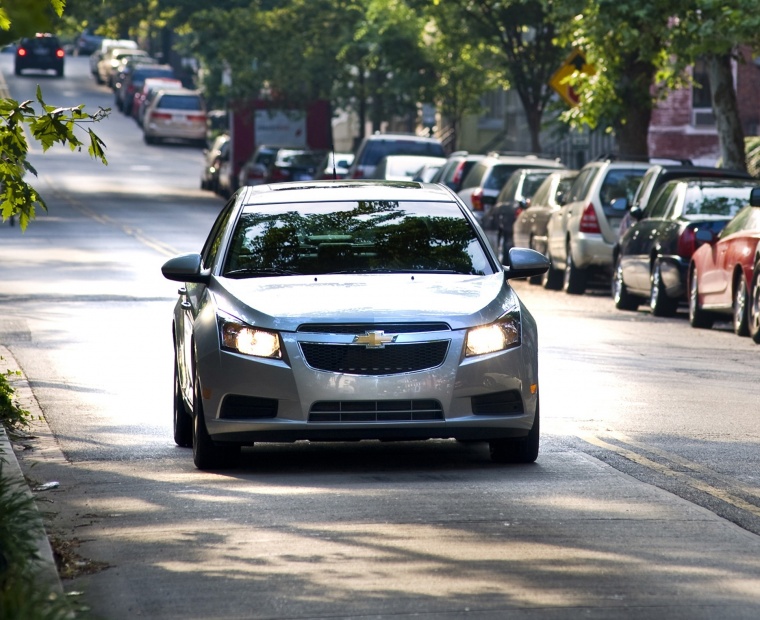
(644, 502)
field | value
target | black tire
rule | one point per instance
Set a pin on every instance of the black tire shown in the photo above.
(534, 279)
(620, 295)
(754, 305)
(183, 421)
(741, 307)
(659, 302)
(552, 277)
(206, 453)
(697, 317)
(16, 70)
(522, 450)
(575, 278)
(149, 139)
(59, 72)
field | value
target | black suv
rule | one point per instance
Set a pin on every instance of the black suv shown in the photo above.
(42, 52)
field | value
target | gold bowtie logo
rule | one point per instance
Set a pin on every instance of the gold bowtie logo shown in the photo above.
(374, 340)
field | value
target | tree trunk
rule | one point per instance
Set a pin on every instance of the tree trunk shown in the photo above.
(634, 92)
(726, 109)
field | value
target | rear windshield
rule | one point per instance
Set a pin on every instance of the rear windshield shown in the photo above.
(715, 201)
(180, 102)
(141, 74)
(354, 237)
(375, 150)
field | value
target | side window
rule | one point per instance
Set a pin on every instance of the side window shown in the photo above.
(659, 202)
(581, 184)
(644, 187)
(541, 197)
(620, 183)
(474, 176)
(741, 221)
(509, 190)
(214, 240)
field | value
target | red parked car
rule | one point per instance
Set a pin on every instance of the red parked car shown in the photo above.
(724, 273)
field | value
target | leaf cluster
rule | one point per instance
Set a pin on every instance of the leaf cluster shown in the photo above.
(48, 125)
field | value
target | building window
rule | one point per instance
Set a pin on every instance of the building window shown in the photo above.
(494, 110)
(701, 102)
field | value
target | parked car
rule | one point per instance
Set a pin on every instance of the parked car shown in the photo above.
(582, 234)
(347, 311)
(373, 148)
(105, 46)
(530, 225)
(661, 173)
(151, 87)
(453, 172)
(134, 80)
(212, 158)
(652, 263)
(335, 165)
(109, 64)
(42, 52)
(429, 170)
(403, 167)
(724, 273)
(253, 171)
(87, 43)
(176, 115)
(498, 220)
(488, 176)
(294, 165)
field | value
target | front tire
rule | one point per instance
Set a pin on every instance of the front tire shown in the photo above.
(522, 450)
(183, 421)
(574, 277)
(206, 453)
(659, 302)
(741, 307)
(620, 295)
(697, 317)
(754, 305)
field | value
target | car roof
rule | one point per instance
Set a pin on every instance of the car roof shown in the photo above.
(676, 171)
(349, 190)
(401, 136)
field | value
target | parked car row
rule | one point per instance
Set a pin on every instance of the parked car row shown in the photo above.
(151, 93)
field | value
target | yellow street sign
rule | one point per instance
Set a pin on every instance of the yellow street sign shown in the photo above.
(575, 62)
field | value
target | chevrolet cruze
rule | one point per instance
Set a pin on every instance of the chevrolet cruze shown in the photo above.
(352, 310)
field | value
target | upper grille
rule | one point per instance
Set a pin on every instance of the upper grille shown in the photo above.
(389, 360)
(362, 328)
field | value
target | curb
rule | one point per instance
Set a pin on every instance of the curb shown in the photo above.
(47, 572)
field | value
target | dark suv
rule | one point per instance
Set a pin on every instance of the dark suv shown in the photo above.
(42, 52)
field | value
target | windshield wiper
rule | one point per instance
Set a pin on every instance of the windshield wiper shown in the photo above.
(259, 272)
(412, 271)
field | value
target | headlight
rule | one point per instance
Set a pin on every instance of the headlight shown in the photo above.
(499, 336)
(241, 338)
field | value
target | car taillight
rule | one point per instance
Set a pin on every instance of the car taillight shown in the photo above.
(358, 174)
(21, 51)
(589, 221)
(161, 116)
(687, 243)
(278, 174)
(518, 210)
(456, 178)
(60, 53)
(197, 118)
(477, 199)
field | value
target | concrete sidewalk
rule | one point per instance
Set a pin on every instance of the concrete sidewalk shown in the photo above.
(10, 469)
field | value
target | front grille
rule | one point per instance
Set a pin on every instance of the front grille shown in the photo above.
(236, 407)
(498, 403)
(389, 360)
(375, 411)
(363, 328)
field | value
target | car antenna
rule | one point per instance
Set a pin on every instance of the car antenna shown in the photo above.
(332, 150)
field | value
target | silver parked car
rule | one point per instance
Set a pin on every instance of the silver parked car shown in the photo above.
(349, 311)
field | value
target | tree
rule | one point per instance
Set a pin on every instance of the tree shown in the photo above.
(523, 33)
(49, 125)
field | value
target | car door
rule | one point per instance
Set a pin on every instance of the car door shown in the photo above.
(559, 220)
(717, 273)
(638, 241)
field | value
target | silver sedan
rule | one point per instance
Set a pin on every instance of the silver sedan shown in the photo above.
(352, 310)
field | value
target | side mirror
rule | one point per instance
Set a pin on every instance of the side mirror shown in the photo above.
(185, 268)
(637, 213)
(754, 197)
(526, 263)
(620, 204)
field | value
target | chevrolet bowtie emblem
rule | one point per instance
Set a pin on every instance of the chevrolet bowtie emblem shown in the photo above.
(374, 340)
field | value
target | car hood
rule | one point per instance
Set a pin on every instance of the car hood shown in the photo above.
(284, 303)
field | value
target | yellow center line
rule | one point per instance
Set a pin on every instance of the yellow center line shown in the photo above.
(639, 459)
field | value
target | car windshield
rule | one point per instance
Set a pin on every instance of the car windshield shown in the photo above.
(354, 237)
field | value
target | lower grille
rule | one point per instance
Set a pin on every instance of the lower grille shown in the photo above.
(389, 360)
(236, 407)
(375, 411)
(498, 403)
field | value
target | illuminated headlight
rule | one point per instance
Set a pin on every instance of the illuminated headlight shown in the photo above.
(499, 336)
(242, 338)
